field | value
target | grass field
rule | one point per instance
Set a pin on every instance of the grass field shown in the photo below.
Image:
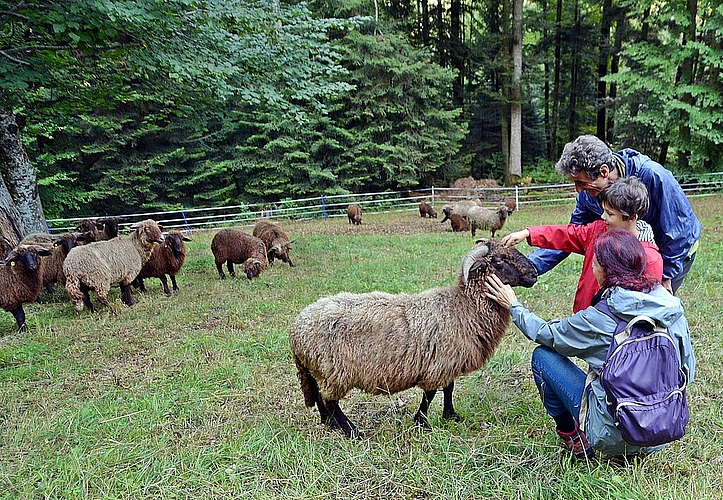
(195, 395)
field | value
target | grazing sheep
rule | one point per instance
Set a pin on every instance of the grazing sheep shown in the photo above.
(21, 279)
(99, 265)
(426, 210)
(458, 222)
(354, 213)
(459, 208)
(486, 218)
(276, 242)
(235, 247)
(383, 343)
(165, 259)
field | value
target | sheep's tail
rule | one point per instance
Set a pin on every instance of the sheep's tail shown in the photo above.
(309, 387)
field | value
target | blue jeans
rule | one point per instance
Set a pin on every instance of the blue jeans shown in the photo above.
(560, 381)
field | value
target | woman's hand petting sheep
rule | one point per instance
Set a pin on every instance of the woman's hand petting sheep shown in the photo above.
(499, 292)
(515, 238)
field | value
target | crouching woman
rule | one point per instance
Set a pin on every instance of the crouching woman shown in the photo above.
(619, 267)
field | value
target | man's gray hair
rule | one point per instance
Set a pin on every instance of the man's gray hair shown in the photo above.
(586, 154)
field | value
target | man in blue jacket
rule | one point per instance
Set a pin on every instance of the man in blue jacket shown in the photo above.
(592, 166)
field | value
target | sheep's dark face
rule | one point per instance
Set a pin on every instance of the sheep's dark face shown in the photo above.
(253, 267)
(507, 263)
(28, 259)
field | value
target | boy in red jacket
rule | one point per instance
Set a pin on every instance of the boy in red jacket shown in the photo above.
(624, 205)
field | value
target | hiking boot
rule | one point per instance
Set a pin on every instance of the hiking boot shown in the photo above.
(576, 442)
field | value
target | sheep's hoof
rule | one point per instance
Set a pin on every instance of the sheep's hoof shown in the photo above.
(421, 420)
(452, 416)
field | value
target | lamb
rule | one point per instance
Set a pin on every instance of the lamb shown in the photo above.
(165, 259)
(21, 279)
(354, 213)
(426, 210)
(235, 247)
(458, 222)
(383, 343)
(276, 242)
(485, 218)
(101, 264)
(459, 207)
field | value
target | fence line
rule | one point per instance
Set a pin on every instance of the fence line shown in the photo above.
(192, 219)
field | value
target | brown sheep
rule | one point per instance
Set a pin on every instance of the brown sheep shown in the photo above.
(458, 222)
(52, 265)
(354, 213)
(426, 210)
(235, 247)
(21, 279)
(110, 228)
(276, 242)
(166, 258)
(89, 227)
(383, 343)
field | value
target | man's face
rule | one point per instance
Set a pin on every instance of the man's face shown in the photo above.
(584, 182)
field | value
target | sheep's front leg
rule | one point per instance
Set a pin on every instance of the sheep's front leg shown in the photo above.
(448, 411)
(173, 282)
(164, 281)
(337, 420)
(19, 316)
(421, 416)
(126, 294)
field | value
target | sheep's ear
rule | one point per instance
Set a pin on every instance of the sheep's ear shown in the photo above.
(186, 238)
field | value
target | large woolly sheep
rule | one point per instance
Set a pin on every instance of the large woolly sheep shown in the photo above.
(97, 266)
(383, 343)
(235, 247)
(277, 243)
(165, 259)
(459, 207)
(427, 210)
(486, 218)
(354, 214)
(21, 279)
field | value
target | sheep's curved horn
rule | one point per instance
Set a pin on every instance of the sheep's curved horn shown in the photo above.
(276, 247)
(469, 260)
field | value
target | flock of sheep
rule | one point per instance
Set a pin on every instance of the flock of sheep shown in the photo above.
(377, 342)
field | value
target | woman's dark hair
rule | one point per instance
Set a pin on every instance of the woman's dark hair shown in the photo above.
(623, 259)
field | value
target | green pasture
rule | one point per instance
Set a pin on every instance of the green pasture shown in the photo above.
(196, 396)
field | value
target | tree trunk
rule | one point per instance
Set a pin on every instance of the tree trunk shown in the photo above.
(21, 212)
(515, 165)
(441, 40)
(687, 78)
(602, 68)
(456, 50)
(425, 22)
(556, 82)
(574, 73)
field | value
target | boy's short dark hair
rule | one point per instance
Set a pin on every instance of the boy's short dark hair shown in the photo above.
(628, 195)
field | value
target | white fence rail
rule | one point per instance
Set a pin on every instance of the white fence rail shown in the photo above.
(325, 207)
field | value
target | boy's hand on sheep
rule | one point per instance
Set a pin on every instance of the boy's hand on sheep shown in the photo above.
(515, 238)
(499, 292)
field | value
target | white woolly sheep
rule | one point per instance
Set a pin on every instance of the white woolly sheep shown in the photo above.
(354, 214)
(167, 258)
(486, 218)
(383, 343)
(97, 266)
(236, 247)
(459, 207)
(277, 243)
(21, 279)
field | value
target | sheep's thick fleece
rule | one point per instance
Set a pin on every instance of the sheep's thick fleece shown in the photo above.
(486, 218)
(104, 263)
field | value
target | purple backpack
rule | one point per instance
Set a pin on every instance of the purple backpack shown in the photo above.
(643, 382)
